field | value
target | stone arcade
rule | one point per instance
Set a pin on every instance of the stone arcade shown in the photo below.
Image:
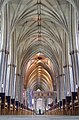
(39, 57)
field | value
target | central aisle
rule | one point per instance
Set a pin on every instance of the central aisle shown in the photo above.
(37, 117)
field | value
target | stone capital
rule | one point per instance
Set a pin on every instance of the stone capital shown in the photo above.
(5, 51)
(65, 66)
(12, 65)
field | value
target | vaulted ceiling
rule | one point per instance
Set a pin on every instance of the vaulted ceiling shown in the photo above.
(39, 26)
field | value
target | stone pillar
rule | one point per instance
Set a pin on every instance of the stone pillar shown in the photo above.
(0, 38)
(75, 68)
(25, 98)
(62, 92)
(5, 40)
(68, 85)
(3, 71)
(67, 80)
(17, 96)
(35, 102)
(74, 43)
(4, 51)
(62, 86)
(77, 51)
(45, 103)
(22, 88)
(58, 88)
(11, 77)
(78, 100)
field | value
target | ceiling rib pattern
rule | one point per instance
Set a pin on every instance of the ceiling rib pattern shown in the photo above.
(39, 22)
(39, 25)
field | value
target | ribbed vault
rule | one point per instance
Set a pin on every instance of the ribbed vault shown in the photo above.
(40, 24)
(39, 74)
(39, 33)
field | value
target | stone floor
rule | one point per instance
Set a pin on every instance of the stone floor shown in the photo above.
(37, 117)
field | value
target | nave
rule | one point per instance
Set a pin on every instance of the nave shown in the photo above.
(39, 57)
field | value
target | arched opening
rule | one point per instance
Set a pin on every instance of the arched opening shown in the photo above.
(39, 57)
(38, 81)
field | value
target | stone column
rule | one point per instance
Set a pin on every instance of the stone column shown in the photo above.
(61, 88)
(67, 88)
(78, 100)
(62, 91)
(18, 78)
(67, 80)
(3, 71)
(75, 68)
(25, 98)
(35, 102)
(58, 88)
(45, 100)
(77, 51)
(11, 77)
(22, 88)
(5, 40)
(74, 42)
(63, 97)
